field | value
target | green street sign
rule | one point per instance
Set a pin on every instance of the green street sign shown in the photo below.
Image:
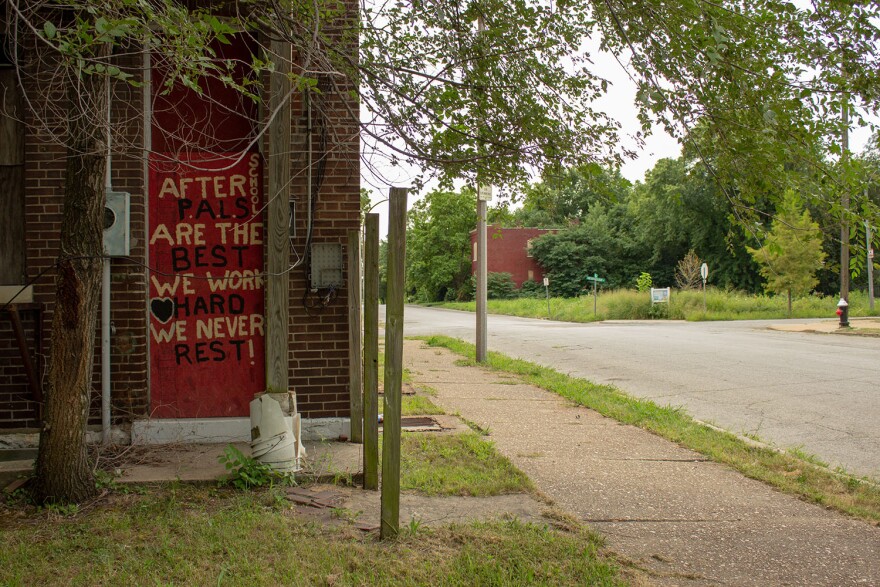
(595, 277)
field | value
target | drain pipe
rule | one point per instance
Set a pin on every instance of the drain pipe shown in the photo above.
(106, 431)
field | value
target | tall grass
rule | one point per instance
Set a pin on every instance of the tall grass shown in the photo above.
(626, 304)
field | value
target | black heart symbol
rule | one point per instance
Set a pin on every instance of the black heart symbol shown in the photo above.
(162, 309)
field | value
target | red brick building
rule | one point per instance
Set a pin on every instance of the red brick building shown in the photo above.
(188, 326)
(507, 251)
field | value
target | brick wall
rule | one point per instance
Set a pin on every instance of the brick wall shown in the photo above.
(318, 338)
(507, 252)
(17, 406)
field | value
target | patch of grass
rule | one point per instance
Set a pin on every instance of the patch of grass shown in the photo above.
(457, 464)
(481, 430)
(785, 471)
(200, 535)
(684, 305)
(419, 405)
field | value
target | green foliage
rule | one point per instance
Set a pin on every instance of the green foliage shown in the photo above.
(202, 535)
(792, 251)
(627, 304)
(457, 464)
(438, 256)
(247, 472)
(532, 289)
(681, 207)
(644, 282)
(602, 243)
(500, 286)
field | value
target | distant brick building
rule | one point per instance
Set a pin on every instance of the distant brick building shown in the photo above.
(507, 250)
(187, 301)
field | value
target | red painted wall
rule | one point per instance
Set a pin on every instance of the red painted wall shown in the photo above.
(506, 249)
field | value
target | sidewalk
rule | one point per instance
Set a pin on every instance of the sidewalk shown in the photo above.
(671, 512)
(857, 326)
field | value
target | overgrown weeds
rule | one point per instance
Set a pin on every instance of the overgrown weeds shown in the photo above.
(683, 305)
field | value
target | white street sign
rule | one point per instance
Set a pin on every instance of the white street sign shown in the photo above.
(546, 281)
(704, 271)
(484, 192)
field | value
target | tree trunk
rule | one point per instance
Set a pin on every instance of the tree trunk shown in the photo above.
(63, 473)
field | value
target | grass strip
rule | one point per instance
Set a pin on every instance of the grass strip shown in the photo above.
(199, 535)
(787, 472)
(457, 464)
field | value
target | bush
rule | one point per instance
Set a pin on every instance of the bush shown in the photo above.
(500, 286)
(644, 282)
(532, 289)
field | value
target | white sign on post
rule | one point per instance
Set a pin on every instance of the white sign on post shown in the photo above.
(704, 272)
(484, 193)
(546, 281)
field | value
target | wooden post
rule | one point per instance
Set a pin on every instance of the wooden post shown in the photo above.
(12, 249)
(278, 224)
(371, 352)
(393, 364)
(355, 382)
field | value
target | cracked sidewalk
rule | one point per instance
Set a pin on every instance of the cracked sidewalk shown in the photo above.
(678, 517)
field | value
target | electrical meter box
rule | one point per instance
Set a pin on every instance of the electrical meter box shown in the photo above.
(117, 225)
(326, 265)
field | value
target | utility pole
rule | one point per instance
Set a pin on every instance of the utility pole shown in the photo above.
(484, 193)
(870, 264)
(844, 202)
(482, 275)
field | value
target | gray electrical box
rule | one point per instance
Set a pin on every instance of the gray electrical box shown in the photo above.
(326, 265)
(117, 225)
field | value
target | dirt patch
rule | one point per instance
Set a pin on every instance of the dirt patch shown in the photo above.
(333, 505)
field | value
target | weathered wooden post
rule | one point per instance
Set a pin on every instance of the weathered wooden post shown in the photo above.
(354, 336)
(393, 364)
(371, 352)
(278, 229)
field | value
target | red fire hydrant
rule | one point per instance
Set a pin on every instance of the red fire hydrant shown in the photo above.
(843, 313)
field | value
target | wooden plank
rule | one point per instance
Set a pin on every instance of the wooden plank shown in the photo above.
(393, 364)
(11, 115)
(278, 224)
(12, 248)
(371, 352)
(354, 336)
(12, 133)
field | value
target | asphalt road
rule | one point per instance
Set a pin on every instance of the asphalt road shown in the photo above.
(817, 392)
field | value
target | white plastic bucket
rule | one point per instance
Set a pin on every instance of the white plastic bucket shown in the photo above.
(273, 442)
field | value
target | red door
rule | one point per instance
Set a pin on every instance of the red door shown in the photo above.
(205, 245)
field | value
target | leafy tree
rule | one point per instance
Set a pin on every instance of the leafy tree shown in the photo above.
(438, 256)
(679, 207)
(792, 251)
(602, 243)
(567, 195)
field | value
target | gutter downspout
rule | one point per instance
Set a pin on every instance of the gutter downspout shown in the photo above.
(105, 304)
